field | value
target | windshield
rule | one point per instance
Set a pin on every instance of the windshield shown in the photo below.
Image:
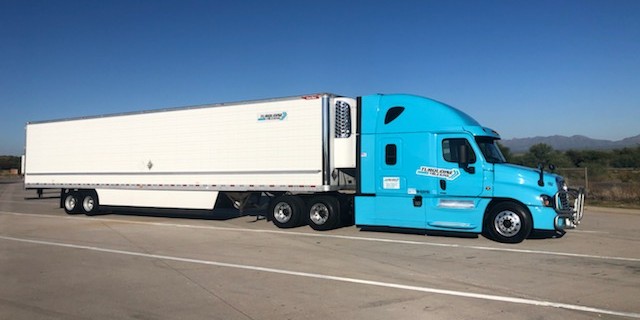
(490, 150)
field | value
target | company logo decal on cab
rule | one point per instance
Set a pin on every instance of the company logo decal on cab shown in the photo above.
(449, 174)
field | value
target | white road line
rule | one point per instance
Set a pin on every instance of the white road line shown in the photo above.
(532, 302)
(335, 236)
(588, 231)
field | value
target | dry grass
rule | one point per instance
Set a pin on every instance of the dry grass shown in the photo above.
(607, 186)
(623, 192)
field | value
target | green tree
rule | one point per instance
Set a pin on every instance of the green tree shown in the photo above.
(580, 158)
(9, 162)
(626, 158)
(544, 154)
(506, 152)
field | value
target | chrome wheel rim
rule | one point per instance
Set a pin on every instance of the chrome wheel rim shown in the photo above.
(282, 212)
(507, 223)
(70, 202)
(88, 203)
(319, 213)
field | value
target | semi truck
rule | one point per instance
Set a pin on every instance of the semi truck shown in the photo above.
(382, 160)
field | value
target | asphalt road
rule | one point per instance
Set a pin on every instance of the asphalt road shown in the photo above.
(203, 265)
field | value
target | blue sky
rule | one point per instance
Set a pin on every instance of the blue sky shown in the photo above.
(523, 68)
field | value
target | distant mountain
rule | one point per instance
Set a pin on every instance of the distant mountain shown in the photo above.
(563, 143)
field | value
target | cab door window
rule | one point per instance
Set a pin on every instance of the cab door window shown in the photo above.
(451, 149)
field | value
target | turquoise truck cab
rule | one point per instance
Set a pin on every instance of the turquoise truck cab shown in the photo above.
(426, 165)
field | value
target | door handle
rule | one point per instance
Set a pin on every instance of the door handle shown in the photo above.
(443, 184)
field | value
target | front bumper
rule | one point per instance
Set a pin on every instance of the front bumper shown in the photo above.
(569, 205)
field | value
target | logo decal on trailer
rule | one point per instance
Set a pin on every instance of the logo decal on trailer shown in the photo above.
(272, 116)
(449, 174)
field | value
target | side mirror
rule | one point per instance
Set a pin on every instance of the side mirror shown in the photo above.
(463, 159)
(552, 168)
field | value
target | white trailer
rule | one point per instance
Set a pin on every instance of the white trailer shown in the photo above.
(186, 157)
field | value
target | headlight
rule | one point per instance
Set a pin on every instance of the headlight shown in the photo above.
(562, 185)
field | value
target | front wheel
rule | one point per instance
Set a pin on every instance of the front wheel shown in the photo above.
(508, 222)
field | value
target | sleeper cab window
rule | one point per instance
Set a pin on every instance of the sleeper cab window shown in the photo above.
(392, 114)
(391, 154)
(451, 148)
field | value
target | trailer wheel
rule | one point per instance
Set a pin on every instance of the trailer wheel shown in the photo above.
(89, 204)
(324, 213)
(286, 211)
(71, 202)
(508, 222)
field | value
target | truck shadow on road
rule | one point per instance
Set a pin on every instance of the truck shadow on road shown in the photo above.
(535, 234)
(421, 232)
(546, 234)
(194, 214)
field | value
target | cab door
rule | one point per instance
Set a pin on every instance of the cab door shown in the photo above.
(460, 169)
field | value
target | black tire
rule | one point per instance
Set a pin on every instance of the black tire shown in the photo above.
(71, 202)
(508, 222)
(89, 203)
(286, 211)
(323, 213)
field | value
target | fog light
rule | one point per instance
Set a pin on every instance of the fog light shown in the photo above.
(547, 201)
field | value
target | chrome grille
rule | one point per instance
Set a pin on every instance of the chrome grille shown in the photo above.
(564, 201)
